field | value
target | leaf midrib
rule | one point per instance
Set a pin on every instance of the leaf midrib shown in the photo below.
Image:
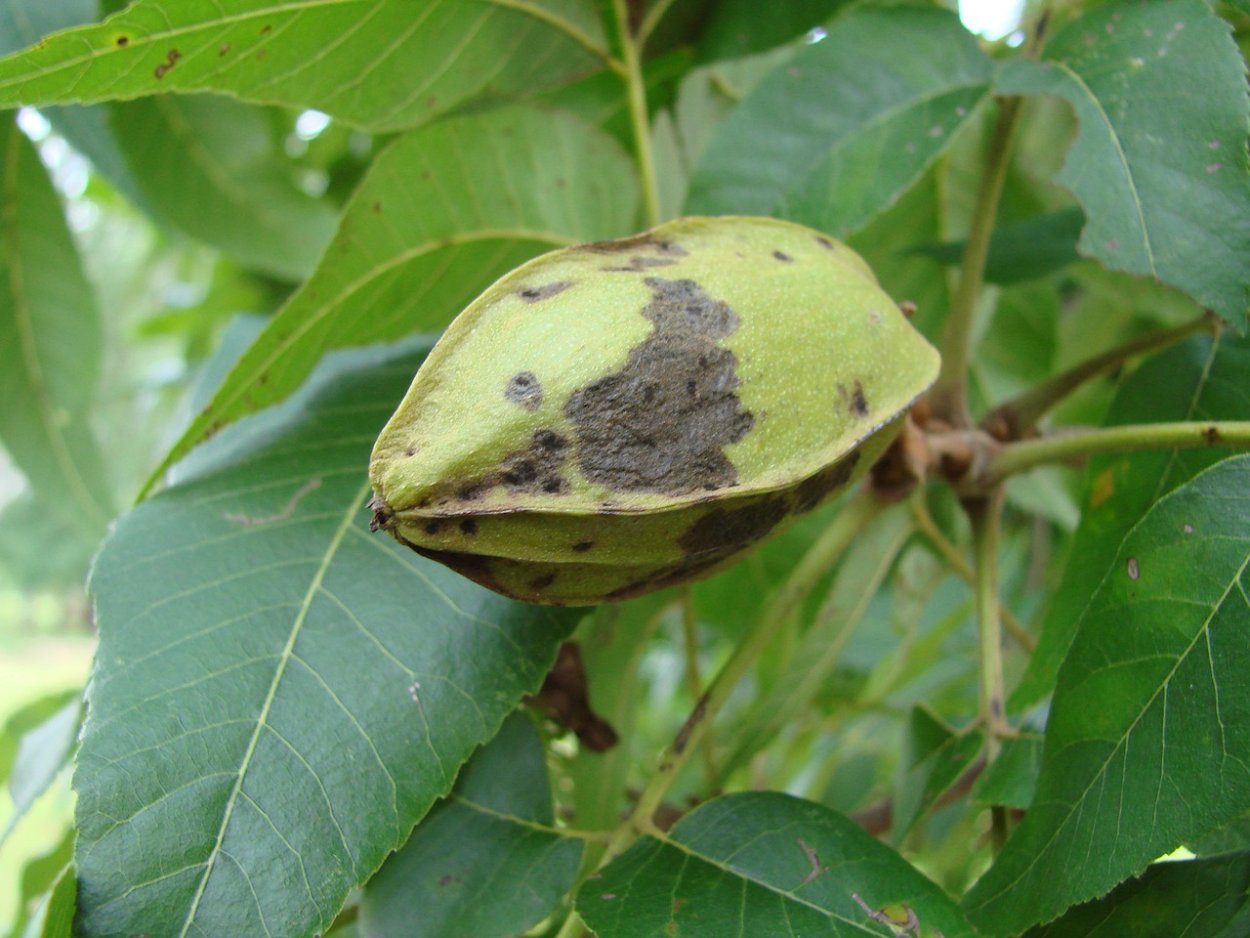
(1202, 632)
(284, 658)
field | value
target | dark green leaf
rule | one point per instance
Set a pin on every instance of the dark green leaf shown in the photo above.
(1202, 379)
(442, 213)
(1194, 899)
(932, 760)
(278, 694)
(385, 65)
(1159, 163)
(1011, 779)
(49, 343)
(486, 861)
(736, 28)
(763, 864)
(41, 754)
(1022, 250)
(1232, 838)
(1150, 726)
(208, 165)
(832, 138)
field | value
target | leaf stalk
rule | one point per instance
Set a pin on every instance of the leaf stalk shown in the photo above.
(639, 119)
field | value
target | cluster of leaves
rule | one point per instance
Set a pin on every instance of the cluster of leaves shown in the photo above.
(294, 727)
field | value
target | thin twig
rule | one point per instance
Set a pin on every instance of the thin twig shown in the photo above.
(949, 397)
(955, 560)
(1015, 418)
(1079, 444)
(639, 119)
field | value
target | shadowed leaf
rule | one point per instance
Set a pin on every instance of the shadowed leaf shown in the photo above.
(1159, 163)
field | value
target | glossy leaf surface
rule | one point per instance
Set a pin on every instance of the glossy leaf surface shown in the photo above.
(1201, 379)
(764, 864)
(1150, 726)
(278, 695)
(486, 861)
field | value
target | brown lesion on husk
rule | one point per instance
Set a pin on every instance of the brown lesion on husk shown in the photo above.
(642, 242)
(854, 398)
(525, 390)
(815, 488)
(723, 528)
(662, 422)
(536, 294)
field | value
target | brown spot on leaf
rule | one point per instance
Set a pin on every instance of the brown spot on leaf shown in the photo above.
(171, 59)
(433, 527)
(223, 48)
(642, 428)
(1102, 488)
(824, 242)
(524, 390)
(122, 41)
(544, 292)
(722, 529)
(1212, 435)
(582, 546)
(468, 526)
(783, 257)
(542, 582)
(267, 28)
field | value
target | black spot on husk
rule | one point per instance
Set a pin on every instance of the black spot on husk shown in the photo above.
(661, 423)
(727, 528)
(544, 292)
(524, 390)
(812, 490)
